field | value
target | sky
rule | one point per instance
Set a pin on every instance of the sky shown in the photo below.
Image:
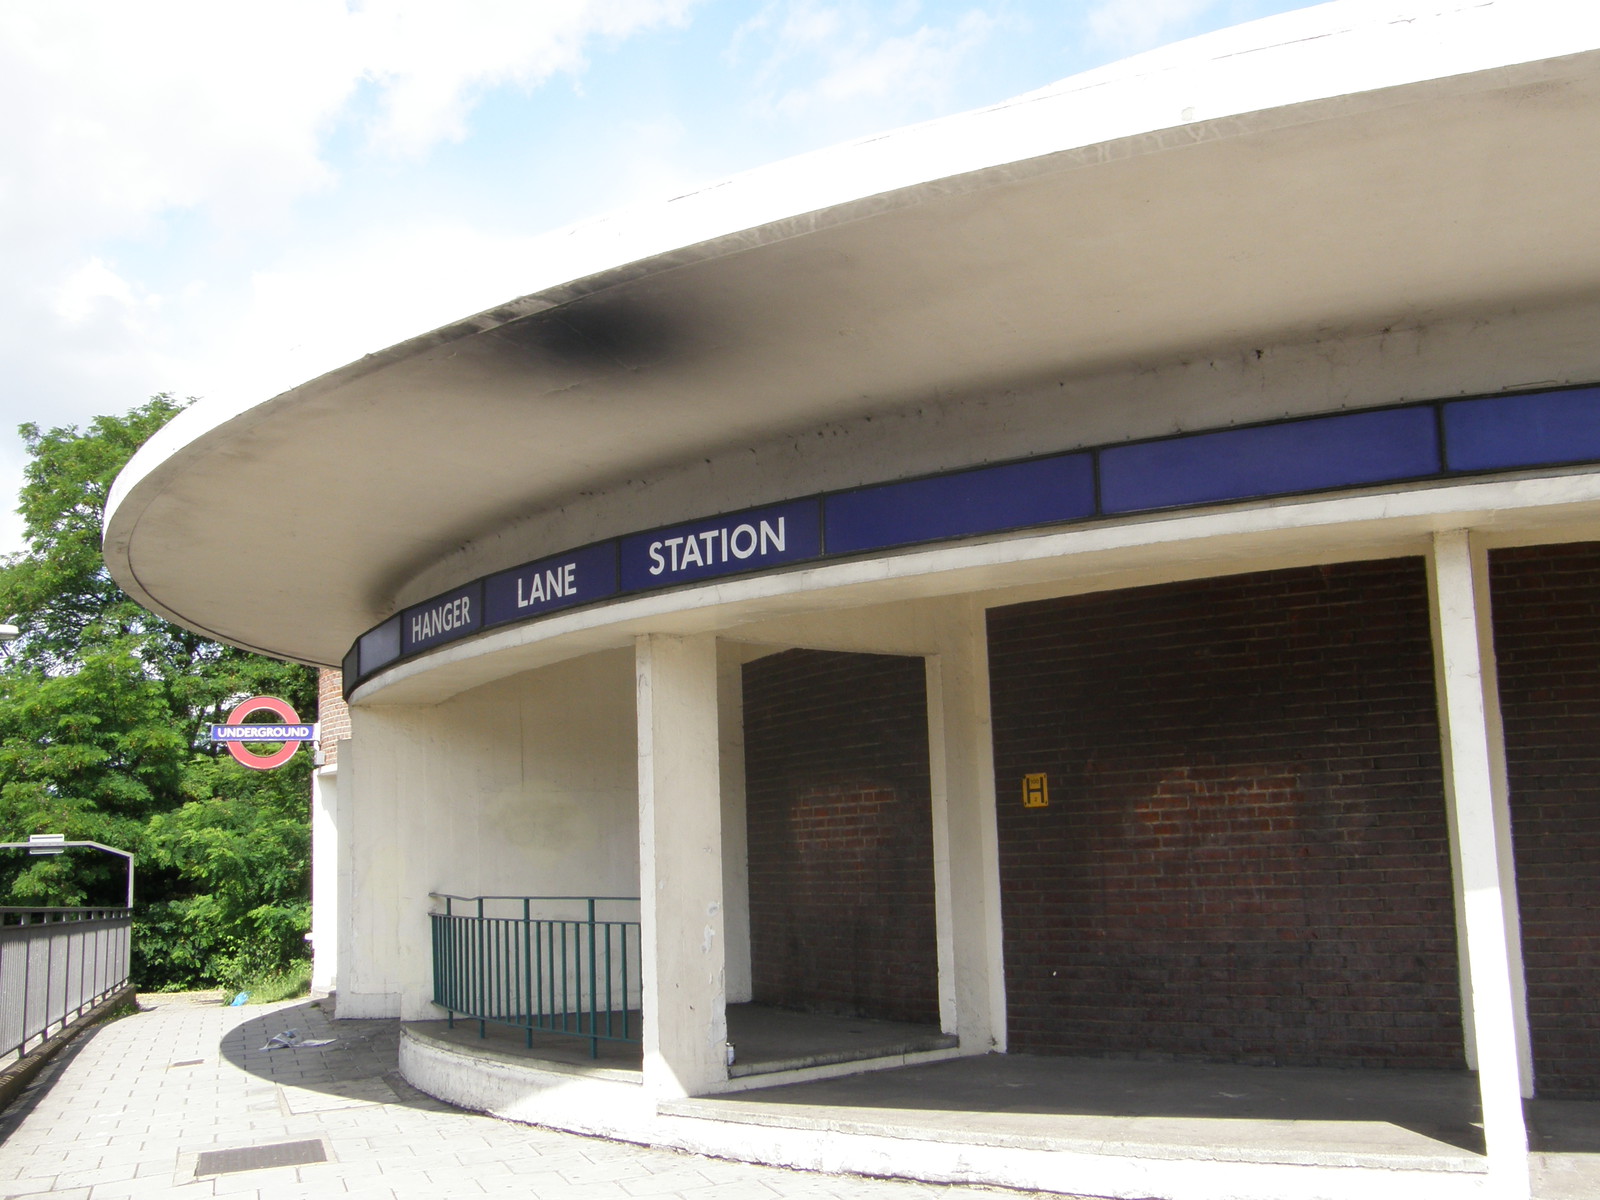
(219, 199)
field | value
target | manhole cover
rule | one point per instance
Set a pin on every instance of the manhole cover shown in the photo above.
(253, 1158)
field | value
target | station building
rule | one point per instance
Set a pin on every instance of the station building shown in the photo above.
(1111, 578)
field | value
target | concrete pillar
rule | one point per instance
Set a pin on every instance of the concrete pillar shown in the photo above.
(325, 868)
(1480, 829)
(735, 829)
(966, 861)
(680, 866)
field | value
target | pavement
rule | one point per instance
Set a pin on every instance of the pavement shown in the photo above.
(152, 1104)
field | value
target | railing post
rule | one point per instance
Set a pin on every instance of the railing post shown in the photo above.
(527, 970)
(482, 941)
(594, 1030)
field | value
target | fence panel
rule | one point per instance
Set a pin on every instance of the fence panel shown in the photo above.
(543, 964)
(55, 965)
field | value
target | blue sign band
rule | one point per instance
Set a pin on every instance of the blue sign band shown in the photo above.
(378, 647)
(1438, 439)
(446, 618)
(1270, 460)
(1498, 432)
(551, 584)
(748, 541)
(988, 500)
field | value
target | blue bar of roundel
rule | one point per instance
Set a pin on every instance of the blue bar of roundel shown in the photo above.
(988, 500)
(550, 584)
(650, 560)
(461, 609)
(1523, 431)
(1270, 460)
(379, 646)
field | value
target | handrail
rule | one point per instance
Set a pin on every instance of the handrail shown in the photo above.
(541, 973)
(453, 896)
(55, 965)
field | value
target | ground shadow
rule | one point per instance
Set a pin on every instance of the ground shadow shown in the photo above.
(358, 1062)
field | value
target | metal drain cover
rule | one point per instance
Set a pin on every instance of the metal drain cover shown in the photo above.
(253, 1158)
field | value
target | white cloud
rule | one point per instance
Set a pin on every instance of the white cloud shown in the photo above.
(833, 55)
(329, 304)
(1128, 26)
(433, 60)
(135, 109)
(91, 291)
(156, 157)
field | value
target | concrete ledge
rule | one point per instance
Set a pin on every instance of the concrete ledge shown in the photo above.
(1144, 1157)
(1132, 1137)
(603, 1101)
(1105, 1170)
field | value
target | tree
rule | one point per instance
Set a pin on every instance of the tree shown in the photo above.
(102, 707)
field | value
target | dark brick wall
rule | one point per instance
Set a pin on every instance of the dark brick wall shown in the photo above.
(1245, 856)
(841, 835)
(1547, 642)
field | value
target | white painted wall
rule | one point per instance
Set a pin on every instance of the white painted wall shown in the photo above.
(522, 787)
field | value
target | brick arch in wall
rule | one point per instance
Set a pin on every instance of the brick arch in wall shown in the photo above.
(1245, 855)
(838, 812)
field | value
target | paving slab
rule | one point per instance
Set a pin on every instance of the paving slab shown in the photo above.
(126, 1112)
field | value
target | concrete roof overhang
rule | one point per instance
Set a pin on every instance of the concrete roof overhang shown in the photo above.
(1338, 167)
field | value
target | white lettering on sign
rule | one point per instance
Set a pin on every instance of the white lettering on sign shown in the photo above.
(711, 547)
(548, 585)
(434, 621)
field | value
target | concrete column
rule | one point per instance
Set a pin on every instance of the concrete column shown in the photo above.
(680, 866)
(1480, 828)
(966, 860)
(735, 829)
(371, 766)
(325, 870)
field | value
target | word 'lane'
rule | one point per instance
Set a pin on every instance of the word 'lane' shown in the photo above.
(551, 584)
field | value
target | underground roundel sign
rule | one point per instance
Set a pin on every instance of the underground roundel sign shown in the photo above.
(291, 732)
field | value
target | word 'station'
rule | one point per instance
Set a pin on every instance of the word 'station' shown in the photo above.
(710, 547)
(234, 733)
(725, 546)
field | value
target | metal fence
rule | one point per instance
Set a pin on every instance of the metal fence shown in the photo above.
(543, 964)
(55, 965)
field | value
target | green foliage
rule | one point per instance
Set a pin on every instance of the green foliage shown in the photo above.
(101, 710)
(290, 983)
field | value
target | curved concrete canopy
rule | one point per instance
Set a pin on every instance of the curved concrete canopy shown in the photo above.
(1340, 167)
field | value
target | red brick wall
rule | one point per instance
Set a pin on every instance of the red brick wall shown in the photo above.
(1547, 641)
(841, 835)
(1244, 857)
(333, 715)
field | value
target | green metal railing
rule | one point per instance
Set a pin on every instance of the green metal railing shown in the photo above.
(543, 964)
